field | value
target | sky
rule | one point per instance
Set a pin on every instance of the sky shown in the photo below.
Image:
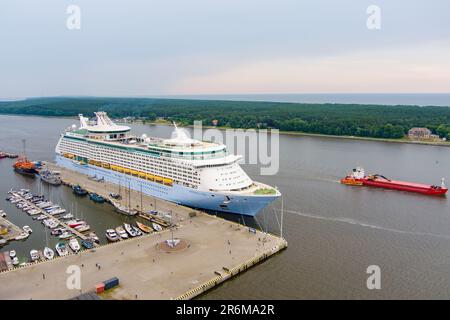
(182, 47)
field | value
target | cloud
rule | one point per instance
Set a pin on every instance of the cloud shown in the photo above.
(401, 69)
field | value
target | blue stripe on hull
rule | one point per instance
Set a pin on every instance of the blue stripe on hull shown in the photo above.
(245, 205)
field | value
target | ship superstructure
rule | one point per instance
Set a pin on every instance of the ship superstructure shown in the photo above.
(190, 172)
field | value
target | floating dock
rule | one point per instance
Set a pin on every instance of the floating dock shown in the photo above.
(42, 211)
(214, 250)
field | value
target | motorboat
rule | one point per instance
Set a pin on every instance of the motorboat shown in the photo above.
(67, 216)
(111, 235)
(2, 214)
(22, 236)
(79, 191)
(27, 229)
(61, 249)
(83, 228)
(12, 254)
(137, 231)
(130, 230)
(44, 205)
(49, 253)
(121, 232)
(75, 223)
(51, 223)
(96, 198)
(57, 211)
(15, 261)
(94, 237)
(156, 227)
(34, 254)
(88, 244)
(65, 235)
(115, 196)
(58, 231)
(74, 244)
(33, 212)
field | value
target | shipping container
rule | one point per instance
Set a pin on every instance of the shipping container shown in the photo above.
(99, 288)
(111, 283)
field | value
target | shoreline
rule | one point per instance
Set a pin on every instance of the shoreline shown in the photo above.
(288, 133)
(316, 135)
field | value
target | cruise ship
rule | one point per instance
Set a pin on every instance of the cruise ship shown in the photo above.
(193, 173)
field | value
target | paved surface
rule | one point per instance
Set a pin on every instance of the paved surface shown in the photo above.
(13, 230)
(143, 270)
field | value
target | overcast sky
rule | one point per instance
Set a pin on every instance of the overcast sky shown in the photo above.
(164, 47)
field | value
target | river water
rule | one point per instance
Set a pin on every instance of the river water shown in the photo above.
(334, 232)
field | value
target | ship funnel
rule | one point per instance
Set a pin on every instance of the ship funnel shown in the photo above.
(443, 183)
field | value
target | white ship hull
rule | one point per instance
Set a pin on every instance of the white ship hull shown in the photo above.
(248, 205)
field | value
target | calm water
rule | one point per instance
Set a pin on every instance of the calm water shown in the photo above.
(334, 232)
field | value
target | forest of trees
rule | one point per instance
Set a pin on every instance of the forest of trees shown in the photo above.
(377, 121)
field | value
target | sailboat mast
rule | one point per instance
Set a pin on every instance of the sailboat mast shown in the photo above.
(142, 208)
(129, 196)
(282, 216)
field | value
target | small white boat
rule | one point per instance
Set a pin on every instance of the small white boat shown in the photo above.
(83, 228)
(41, 217)
(22, 236)
(15, 261)
(34, 254)
(137, 231)
(121, 232)
(52, 224)
(44, 205)
(130, 230)
(57, 211)
(27, 229)
(61, 249)
(12, 254)
(156, 227)
(65, 235)
(49, 253)
(67, 216)
(33, 212)
(94, 237)
(111, 235)
(74, 245)
(2, 214)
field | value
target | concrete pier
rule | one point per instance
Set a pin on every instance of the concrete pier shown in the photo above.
(213, 251)
(13, 230)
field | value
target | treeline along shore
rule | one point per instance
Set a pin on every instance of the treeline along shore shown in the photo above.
(374, 121)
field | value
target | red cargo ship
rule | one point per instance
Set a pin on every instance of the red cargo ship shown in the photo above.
(357, 177)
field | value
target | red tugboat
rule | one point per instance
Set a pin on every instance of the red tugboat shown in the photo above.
(357, 178)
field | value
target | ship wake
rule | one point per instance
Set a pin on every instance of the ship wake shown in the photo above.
(366, 225)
